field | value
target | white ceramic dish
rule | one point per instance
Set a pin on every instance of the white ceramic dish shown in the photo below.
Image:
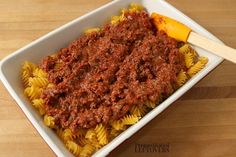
(11, 66)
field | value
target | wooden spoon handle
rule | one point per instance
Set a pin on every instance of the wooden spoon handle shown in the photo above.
(221, 50)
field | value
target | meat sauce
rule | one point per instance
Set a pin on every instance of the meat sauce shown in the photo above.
(100, 76)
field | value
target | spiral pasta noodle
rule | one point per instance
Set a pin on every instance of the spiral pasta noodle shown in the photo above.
(28, 66)
(87, 150)
(101, 134)
(150, 104)
(39, 104)
(67, 135)
(90, 134)
(49, 121)
(130, 119)
(189, 60)
(198, 66)
(118, 125)
(81, 133)
(91, 30)
(33, 92)
(39, 73)
(38, 82)
(181, 78)
(83, 141)
(138, 111)
(25, 77)
(133, 8)
(73, 147)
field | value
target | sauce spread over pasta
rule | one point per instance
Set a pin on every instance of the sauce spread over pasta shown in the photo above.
(101, 75)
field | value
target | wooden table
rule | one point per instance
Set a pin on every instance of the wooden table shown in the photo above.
(202, 123)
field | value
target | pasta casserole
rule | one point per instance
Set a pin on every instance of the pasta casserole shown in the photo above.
(106, 80)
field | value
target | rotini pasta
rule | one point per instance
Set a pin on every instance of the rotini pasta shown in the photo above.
(115, 19)
(59, 132)
(130, 119)
(49, 121)
(90, 134)
(39, 73)
(150, 104)
(118, 125)
(114, 133)
(28, 66)
(94, 142)
(189, 59)
(25, 77)
(38, 82)
(101, 134)
(138, 111)
(185, 49)
(33, 92)
(181, 78)
(87, 150)
(198, 66)
(67, 135)
(81, 133)
(83, 141)
(73, 147)
(39, 104)
(134, 7)
(91, 30)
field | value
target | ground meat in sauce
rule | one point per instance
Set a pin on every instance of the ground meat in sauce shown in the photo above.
(101, 75)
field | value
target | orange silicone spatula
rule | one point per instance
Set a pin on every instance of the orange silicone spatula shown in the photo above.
(181, 32)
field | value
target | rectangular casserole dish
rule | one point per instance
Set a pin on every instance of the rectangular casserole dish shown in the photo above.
(10, 67)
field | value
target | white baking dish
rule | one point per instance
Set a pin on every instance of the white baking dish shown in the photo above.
(11, 66)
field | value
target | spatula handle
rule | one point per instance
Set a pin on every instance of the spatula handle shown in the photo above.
(221, 50)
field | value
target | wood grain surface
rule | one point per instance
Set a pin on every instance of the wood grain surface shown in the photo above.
(201, 123)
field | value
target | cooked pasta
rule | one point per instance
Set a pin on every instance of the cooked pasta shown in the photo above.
(150, 104)
(130, 119)
(84, 141)
(25, 77)
(81, 133)
(33, 92)
(198, 66)
(39, 104)
(28, 66)
(189, 59)
(101, 134)
(73, 147)
(115, 19)
(27, 72)
(181, 78)
(67, 135)
(49, 121)
(94, 142)
(118, 125)
(39, 73)
(114, 133)
(185, 49)
(90, 134)
(134, 7)
(59, 132)
(91, 30)
(138, 111)
(38, 82)
(87, 150)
